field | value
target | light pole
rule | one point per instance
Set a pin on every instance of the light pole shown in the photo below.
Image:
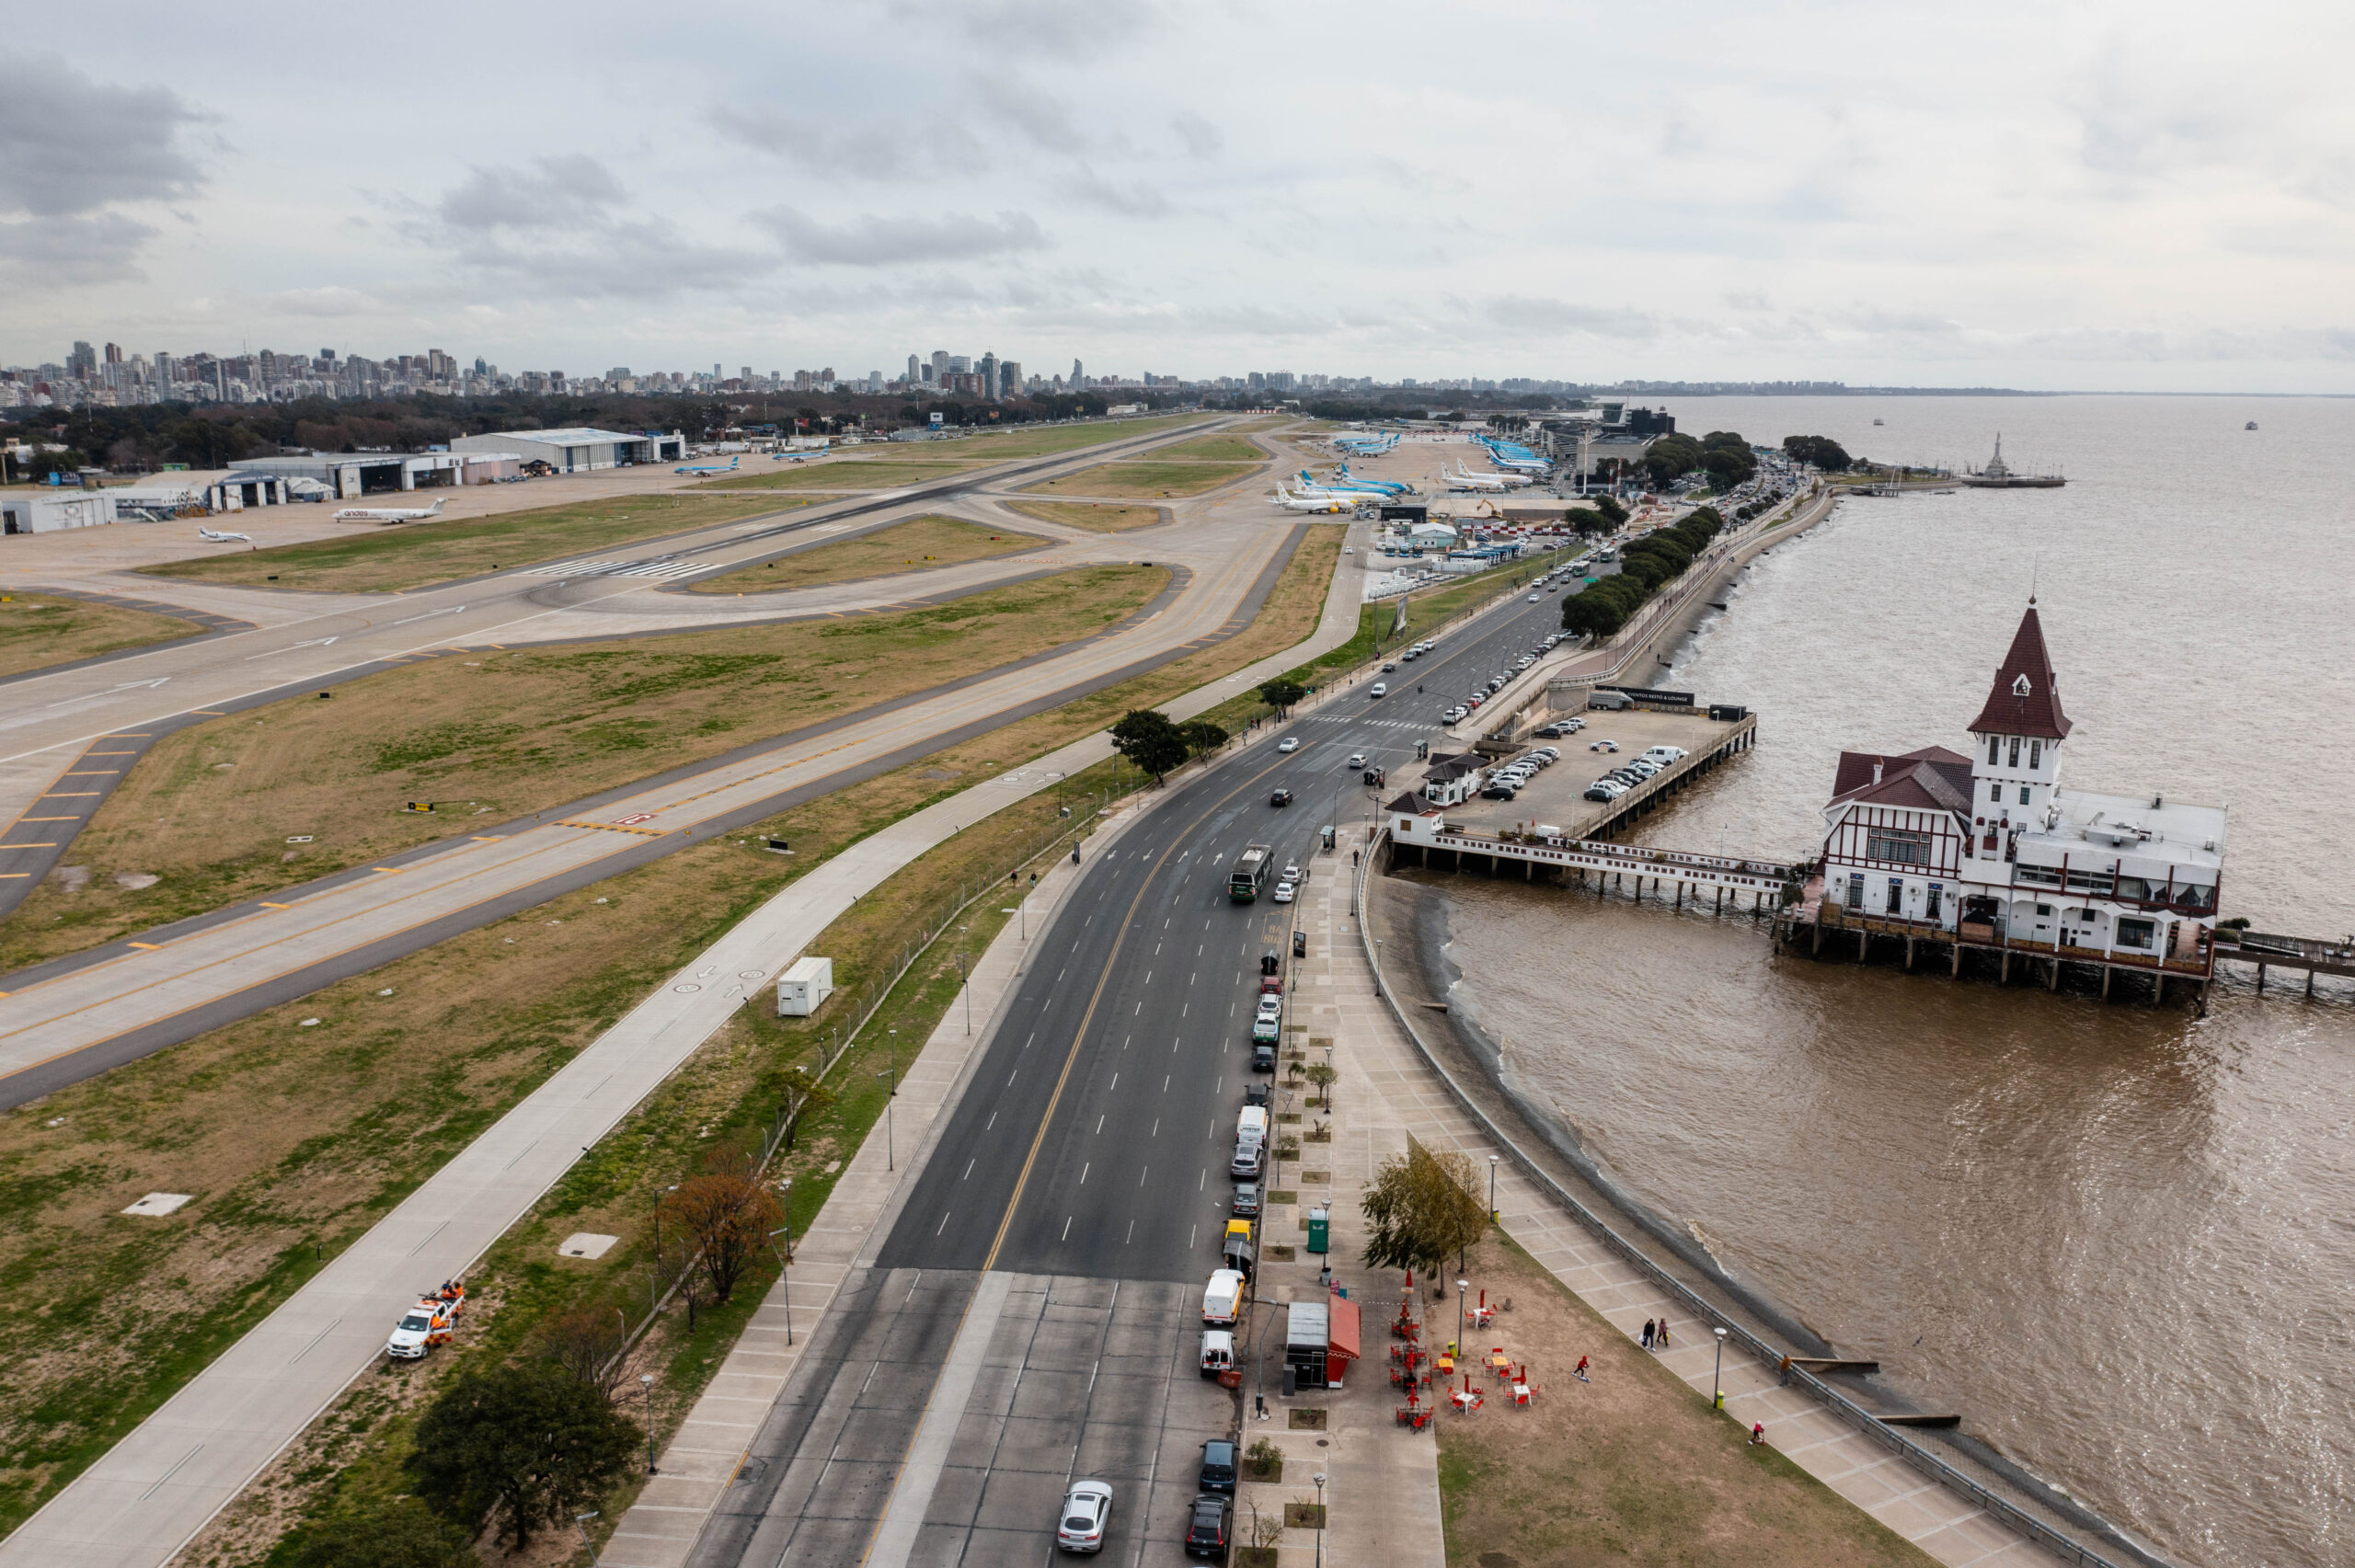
(785, 1258)
(1492, 1189)
(964, 984)
(1462, 1289)
(581, 1523)
(1320, 1519)
(890, 1159)
(1716, 1373)
(645, 1383)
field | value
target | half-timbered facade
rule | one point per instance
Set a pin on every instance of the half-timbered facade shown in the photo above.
(1990, 848)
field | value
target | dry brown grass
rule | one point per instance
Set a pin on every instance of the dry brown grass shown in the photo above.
(1223, 447)
(1093, 516)
(931, 541)
(410, 555)
(1181, 477)
(1632, 1468)
(846, 473)
(492, 736)
(37, 631)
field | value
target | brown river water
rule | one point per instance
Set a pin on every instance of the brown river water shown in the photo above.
(2120, 1238)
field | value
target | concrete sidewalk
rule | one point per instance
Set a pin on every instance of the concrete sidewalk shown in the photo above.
(152, 1492)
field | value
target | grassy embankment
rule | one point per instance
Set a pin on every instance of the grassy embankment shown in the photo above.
(1046, 440)
(887, 467)
(300, 1138)
(1185, 477)
(36, 632)
(1093, 516)
(1221, 448)
(916, 544)
(414, 553)
(1633, 1467)
(493, 736)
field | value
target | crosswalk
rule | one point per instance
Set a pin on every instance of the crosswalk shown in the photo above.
(660, 566)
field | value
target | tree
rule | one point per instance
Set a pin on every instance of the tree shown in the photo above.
(1282, 692)
(587, 1344)
(524, 1446)
(1609, 506)
(1588, 519)
(1324, 1074)
(402, 1534)
(1421, 1207)
(1202, 734)
(1819, 451)
(1671, 458)
(1147, 738)
(727, 1215)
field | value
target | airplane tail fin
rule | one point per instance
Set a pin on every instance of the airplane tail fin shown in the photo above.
(437, 505)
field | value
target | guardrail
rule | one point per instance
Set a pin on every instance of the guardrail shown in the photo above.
(2069, 1548)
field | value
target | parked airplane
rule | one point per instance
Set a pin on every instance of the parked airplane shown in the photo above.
(1351, 492)
(1387, 486)
(1291, 502)
(225, 538)
(1485, 481)
(801, 454)
(1520, 458)
(705, 468)
(388, 514)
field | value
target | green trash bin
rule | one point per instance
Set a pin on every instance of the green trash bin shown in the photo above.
(1320, 1231)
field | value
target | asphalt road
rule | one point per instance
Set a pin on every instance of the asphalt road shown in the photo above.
(1095, 1136)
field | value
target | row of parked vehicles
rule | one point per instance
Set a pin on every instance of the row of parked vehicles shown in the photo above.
(1656, 760)
(1495, 683)
(1510, 779)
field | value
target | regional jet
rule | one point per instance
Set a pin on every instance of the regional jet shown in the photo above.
(1291, 502)
(389, 514)
(224, 538)
(705, 468)
(803, 453)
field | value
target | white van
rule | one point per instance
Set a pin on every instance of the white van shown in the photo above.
(1251, 1126)
(1218, 1352)
(1222, 1299)
(1664, 755)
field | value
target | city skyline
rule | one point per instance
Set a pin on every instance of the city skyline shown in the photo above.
(2046, 203)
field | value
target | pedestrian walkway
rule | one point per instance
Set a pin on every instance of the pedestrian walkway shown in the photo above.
(1381, 1062)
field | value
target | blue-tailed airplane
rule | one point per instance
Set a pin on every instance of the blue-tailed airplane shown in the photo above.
(1387, 486)
(803, 453)
(692, 468)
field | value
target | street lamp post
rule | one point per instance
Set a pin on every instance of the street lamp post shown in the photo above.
(1462, 1291)
(963, 983)
(1320, 1519)
(645, 1383)
(1717, 1374)
(891, 1161)
(1492, 1189)
(581, 1523)
(785, 1258)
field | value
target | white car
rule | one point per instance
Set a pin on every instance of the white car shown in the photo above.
(1283, 892)
(1604, 745)
(1088, 1508)
(1536, 597)
(1381, 689)
(1289, 743)
(1292, 874)
(1356, 759)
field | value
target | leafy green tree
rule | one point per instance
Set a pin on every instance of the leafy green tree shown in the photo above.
(1820, 452)
(1282, 692)
(1202, 734)
(1147, 738)
(525, 1447)
(401, 1534)
(1610, 507)
(1669, 457)
(1588, 519)
(1420, 1206)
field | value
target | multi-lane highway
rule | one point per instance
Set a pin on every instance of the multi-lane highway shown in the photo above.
(1087, 1156)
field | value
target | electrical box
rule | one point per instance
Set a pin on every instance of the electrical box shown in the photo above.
(801, 989)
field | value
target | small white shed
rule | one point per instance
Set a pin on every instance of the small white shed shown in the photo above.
(802, 989)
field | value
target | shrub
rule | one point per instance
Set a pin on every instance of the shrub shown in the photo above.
(526, 1447)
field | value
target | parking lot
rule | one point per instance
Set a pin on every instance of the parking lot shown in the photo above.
(1555, 797)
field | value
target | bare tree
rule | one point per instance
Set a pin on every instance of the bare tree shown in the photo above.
(588, 1344)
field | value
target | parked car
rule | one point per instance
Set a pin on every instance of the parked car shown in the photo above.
(1256, 1094)
(1604, 746)
(1218, 1466)
(1247, 1161)
(1088, 1508)
(1263, 1056)
(1246, 1199)
(1606, 790)
(1390, 666)
(1208, 1526)
(1283, 892)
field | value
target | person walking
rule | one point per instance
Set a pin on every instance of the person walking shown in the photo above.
(1659, 1340)
(1579, 1371)
(1647, 1333)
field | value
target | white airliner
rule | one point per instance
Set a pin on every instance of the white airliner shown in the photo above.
(1291, 502)
(1463, 480)
(705, 468)
(389, 514)
(802, 453)
(225, 538)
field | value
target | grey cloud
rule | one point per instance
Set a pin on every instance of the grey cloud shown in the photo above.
(622, 260)
(1560, 315)
(554, 193)
(1201, 139)
(1042, 119)
(1747, 299)
(1135, 200)
(935, 149)
(1062, 30)
(98, 249)
(873, 241)
(71, 146)
(328, 304)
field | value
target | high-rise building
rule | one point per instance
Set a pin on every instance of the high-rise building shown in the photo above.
(916, 369)
(83, 362)
(114, 353)
(939, 365)
(960, 364)
(988, 369)
(1009, 378)
(1078, 377)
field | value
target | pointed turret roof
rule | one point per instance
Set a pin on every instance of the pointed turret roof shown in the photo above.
(2026, 697)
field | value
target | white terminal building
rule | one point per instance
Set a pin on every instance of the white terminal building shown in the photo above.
(578, 450)
(1989, 850)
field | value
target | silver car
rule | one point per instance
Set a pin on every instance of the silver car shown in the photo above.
(1088, 1508)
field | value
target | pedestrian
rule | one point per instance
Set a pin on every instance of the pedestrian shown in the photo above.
(1659, 1340)
(1579, 1371)
(1757, 1433)
(1647, 1333)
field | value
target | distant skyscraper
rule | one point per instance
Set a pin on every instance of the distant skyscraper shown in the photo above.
(960, 364)
(1078, 377)
(988, 374)
(939, 365)
(916, 369)
(83, 362)
(1009, 378)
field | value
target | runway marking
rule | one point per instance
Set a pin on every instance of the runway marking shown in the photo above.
(144, 946)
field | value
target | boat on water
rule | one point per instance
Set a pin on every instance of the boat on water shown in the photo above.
(1877, 421)
(1997, 476)
(2250, 426)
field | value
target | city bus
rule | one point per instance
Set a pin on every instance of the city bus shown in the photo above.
(1250, 870)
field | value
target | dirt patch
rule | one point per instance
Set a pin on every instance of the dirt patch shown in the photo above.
(904, 547)
(497, 734)
(1633, 1467)
(1144, 478)
(36, 632)
(1093, 516)
(410, 555)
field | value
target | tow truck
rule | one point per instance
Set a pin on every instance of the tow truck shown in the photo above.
(428, 1323)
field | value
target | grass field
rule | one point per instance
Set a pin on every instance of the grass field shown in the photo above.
(847, 474)
(1223, 448)
(1093, 516)
(1179, 478)
(37, 631)
(413, 553)
(209, 810)
(1045, 441)
(293, 1139)
(913, 545)
(1631, 1468)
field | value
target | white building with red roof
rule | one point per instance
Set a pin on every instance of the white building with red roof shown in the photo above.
(1989, 849)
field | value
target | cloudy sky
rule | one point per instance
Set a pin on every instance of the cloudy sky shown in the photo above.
(2155, 196)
